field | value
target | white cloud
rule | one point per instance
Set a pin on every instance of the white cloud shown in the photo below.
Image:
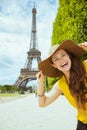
(15, 33)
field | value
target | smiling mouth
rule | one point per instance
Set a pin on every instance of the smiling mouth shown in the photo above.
(64, 64)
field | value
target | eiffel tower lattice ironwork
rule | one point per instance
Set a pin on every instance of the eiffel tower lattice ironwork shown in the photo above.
(29, 72)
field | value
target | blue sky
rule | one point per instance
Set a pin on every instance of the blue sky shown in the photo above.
(15, 33)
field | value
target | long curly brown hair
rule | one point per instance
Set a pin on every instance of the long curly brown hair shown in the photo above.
(77, 86)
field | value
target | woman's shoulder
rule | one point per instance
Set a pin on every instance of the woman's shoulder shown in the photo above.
(62, 80)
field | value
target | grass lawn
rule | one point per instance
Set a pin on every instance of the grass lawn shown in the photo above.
(12, 95)
(9, 94)
(6, 97)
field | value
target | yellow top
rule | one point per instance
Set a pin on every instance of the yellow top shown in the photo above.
(81, 114)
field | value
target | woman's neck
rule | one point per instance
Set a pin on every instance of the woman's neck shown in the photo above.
(67, 76)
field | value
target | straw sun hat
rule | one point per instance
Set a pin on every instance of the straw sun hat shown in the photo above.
(45, 65)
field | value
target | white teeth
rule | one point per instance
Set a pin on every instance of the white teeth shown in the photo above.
(63, 64)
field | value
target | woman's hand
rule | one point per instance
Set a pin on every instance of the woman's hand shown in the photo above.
(83, 46)
(40, 77)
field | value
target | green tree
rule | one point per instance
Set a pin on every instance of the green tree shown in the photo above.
(2, 89)
(70, 21)
(8, 87)
(49, 83)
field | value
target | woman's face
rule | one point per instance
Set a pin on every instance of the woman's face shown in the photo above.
(61, 61)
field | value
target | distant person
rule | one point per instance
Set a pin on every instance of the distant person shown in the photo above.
(65, 61)
(35, 92)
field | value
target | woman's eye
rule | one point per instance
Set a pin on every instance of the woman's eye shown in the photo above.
(63, 55)
(55, 59)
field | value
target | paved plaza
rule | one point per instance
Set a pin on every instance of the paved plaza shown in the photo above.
(25, 114)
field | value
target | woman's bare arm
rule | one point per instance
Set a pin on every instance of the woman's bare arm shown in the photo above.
(46, 99)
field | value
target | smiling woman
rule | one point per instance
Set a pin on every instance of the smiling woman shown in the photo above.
(65, 61)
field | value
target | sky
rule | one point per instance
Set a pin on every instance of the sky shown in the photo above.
(15, 33)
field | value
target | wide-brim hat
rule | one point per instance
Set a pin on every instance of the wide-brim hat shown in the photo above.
(46, 65)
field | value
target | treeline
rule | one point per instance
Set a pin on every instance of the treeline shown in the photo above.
(14, 89)
(8, 88)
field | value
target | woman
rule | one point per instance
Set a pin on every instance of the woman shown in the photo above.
(65, 61)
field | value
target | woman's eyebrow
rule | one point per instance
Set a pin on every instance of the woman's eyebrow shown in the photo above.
(59, 54)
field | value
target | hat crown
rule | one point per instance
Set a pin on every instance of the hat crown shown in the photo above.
(53, 49)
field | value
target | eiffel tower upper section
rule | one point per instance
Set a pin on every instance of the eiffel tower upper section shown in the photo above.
(33, 53)
(33, 41)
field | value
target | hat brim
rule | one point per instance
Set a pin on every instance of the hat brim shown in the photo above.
(46, 65)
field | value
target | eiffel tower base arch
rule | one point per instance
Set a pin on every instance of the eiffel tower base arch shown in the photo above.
(25, 77)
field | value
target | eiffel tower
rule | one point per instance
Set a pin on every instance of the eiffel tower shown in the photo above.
(29, 72)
